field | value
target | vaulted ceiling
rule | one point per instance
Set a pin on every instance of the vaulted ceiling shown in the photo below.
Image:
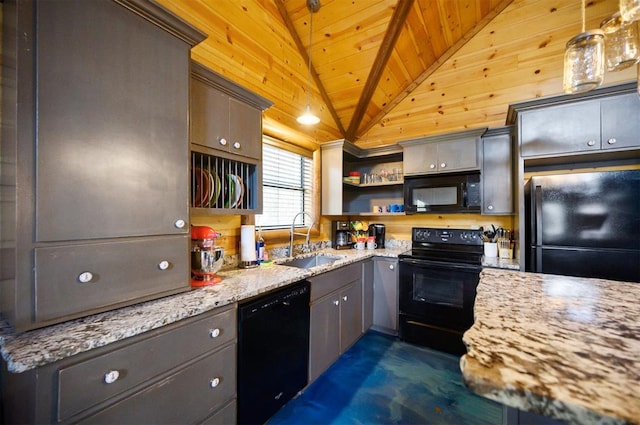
(388, 70)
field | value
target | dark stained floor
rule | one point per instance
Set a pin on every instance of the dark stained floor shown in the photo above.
(382, 380)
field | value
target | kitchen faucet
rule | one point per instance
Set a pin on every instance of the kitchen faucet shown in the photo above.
(306, 248)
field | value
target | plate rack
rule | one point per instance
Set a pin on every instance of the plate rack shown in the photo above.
(222, 184)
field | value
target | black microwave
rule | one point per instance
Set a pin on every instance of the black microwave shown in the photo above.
(442, 193)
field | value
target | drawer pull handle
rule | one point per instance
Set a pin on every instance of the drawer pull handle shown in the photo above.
(214, 382)
(432, 166)
(344, 298)
(490, 207)
(214, 333)
(111, 376)
(85, 277)
(179, 224)
(222, 141)
(236, 145)
(591, 143)
(163, 265)
(336, 302)
(612, 141)
(391, 267)
(443, 165)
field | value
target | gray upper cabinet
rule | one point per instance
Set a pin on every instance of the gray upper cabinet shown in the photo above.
(444, 153)
(225, 116)
(95, 103)
(596, 122)
(497, 175)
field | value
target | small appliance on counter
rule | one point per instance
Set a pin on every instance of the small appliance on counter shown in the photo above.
(377, 230)
(341, 235)
(206, 257)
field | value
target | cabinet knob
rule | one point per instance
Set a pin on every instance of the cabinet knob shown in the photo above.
(236, 145)
(443, 165)
(612, 141)
(392, 266)
(432, 166)
(222, 141)
(489, 207)
(164, 265)
(591, 143)
(179, 223)
(111, 376)
(214, 333)
(214, 382)
(85, 277)
(344, 298)
(336, 302)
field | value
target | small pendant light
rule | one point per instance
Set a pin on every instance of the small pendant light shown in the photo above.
(584, 60)
(621, 41)
(308, 118)
(630, 10)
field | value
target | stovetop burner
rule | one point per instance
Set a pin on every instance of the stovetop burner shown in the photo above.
(450, 245)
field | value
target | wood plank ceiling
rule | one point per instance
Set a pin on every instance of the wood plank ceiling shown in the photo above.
(388, 70)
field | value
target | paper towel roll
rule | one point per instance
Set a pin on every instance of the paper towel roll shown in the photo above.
(248, 242)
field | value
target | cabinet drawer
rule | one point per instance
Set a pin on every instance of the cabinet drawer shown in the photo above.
(224, 416)
(77, 280)
(141, 361)
(328, 282)
(187, 396)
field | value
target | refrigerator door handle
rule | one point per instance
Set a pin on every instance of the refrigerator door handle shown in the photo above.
(537, 205)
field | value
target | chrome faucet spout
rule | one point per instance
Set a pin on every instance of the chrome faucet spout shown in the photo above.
(293, 232)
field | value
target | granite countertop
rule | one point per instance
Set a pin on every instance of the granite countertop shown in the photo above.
(35, 348)
(564, 347)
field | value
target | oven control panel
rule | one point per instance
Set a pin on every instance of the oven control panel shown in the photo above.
(447, 236)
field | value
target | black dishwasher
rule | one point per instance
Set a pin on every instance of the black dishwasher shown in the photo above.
(273, 351)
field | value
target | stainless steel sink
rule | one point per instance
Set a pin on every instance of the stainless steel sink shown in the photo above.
(309, 262)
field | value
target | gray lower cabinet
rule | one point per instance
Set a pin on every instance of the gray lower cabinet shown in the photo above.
(336, 316)
(367, 294)
(497, 175)
(94, 155)
(180, 373)
(385, 295)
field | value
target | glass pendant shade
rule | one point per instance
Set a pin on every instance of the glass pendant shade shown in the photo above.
(584, 62)
(630, 10)
(308, 118)
(621, 41)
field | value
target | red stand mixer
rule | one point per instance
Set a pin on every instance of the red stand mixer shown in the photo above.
(206, 258)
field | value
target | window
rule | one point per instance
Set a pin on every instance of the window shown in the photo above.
(286, 177)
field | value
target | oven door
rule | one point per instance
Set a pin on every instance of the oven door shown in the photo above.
(438, 293)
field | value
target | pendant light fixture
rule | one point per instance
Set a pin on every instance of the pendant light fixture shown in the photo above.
(621, 41)
(584, 60)
(308, 118)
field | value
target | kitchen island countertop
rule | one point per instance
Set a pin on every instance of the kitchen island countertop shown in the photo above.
(28, 350)
(563, 347)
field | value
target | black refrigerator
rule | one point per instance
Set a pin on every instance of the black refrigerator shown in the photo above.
(584, 224)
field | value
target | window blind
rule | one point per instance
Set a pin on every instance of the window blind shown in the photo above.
(286, 180)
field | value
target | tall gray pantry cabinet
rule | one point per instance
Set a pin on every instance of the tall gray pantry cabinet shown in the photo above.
(95, 211)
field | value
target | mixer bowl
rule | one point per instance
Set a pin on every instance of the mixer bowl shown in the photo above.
(206, 262)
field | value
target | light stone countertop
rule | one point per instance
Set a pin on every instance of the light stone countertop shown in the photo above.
(563, 347)
(35, 348)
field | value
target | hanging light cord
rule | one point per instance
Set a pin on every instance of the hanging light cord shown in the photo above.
(583, 15)
(310, 44)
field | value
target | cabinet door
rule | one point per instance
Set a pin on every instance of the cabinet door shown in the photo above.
(209, 116)
(324, 338)
(245, 129)
(385, 295)
(560, 129)
(497, 180)
(621, 122)
(350, 314)
(112, 142)
(420, 159)
(455, 155)
(367, 295)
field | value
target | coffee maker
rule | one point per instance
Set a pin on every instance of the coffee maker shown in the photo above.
(341, 235)
(377, 230)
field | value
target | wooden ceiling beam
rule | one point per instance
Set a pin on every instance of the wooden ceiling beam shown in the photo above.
(386, 48)
(303, 52)
(427, 72)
